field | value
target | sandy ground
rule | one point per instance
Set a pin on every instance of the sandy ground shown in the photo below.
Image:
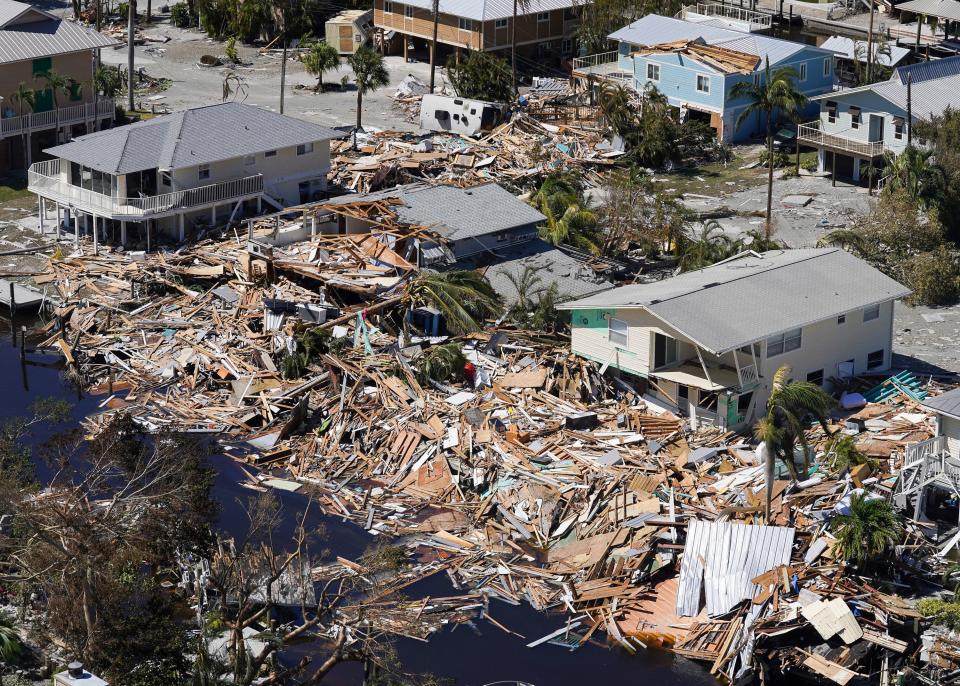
(193, 85)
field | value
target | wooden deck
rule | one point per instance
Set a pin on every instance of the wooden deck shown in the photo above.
(24, 297)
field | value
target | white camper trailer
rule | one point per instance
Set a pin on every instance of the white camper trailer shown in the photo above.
(460, 115)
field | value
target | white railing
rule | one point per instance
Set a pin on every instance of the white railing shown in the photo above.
(920, 451)
(812, 134)
(748, 374)
(44, 179)
(603, 62)
(65, 116)
(754, 21)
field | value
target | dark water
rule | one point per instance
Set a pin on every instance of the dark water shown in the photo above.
(473, 655)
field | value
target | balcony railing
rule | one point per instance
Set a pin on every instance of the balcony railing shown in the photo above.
(66, 116)
(44, 179)
(603, 65)
(812, 134)
(745, 19)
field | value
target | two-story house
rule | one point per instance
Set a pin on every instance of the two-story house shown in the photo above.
(544, 27)
(707, 343)
(191, 168)
(34, 43)
(695, 64)
(858, 125)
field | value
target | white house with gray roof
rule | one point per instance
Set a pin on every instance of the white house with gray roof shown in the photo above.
(708, 342)
(859, 125)
(185, 170)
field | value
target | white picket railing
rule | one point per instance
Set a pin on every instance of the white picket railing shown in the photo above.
(66, 116)
(748, 19)
(812, 134)
(601, 63)
(44, 179)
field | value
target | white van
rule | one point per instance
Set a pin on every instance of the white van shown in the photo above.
(460, 115)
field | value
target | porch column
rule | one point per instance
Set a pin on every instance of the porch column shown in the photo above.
(123, 234)
(259, 204)
(42, 206)
(856, 168)
(86, 223)
(213, 216)
(73, 219)
(704, 366)
(149, 222)
(96, 236)
(180, 226)
(833, 169)
(58, 221)
(406, 46)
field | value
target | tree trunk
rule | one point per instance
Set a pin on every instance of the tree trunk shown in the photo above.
(869, 46)
(149, 11)
(359, 107)
(89, 613)
(513, 49)
(768, 228)
(433, 45)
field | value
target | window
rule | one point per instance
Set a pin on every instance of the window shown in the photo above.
(441, 115)
(855, 117)
(543, 17)
(842, 319)
(875, 359)
(76, 91)
(617, 331)
(664, 350)
(871, 313)
(42, 65)
(827, 66)
(465, 24)
(784, 342)
(743, 403)
(388, 7)
(270, 153)
(249, 160)
(408, 11)
(703, 83)
(898, 128)
(831, 111)
(165, 179)
(305, 149)
(816, 377)
(204, 172)
(756, 79)
(501, 23)
(653, 72)
(566, 47)
(803, 71)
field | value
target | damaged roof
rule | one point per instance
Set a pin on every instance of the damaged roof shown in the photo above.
(27, 33)
(947, 403)
(453, 212)
(753, 296)
(188, 138)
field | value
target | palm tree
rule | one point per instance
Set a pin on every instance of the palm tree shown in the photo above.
(24, 97)
(319, 58)
(527, 284)
(709, 247)
(915, 171)
(782, 429)
(11, 645)
(370, 73)
(559, 190)
(57, 83)
(868, 532)
(524, 5)
(464, 298)
(616, 105)
(577, 226)
(775, 92)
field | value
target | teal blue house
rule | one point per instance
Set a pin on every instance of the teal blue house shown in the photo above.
(695, 64)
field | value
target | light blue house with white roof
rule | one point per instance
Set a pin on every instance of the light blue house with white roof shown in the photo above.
(695, 64)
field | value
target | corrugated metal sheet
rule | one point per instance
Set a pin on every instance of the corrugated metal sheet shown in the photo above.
(53, 36)
(847, 47)
(722, 558)
(947, 9)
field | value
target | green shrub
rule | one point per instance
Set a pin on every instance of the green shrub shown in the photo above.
(945, 612)
(933, 276)
(231, 49)
(781, 158)
(180, 16)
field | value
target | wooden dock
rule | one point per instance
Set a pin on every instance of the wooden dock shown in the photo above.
(15, 297)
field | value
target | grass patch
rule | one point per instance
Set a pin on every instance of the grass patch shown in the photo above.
(13, 187)
(714, 179)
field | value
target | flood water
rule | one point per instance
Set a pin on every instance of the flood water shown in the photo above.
(471, 655)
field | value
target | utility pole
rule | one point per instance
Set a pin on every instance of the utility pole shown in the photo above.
(433, 46)
(131, 13)
(869, 46)
(909, 109)
(283, 73)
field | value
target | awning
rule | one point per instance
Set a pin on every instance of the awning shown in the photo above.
(692, 375)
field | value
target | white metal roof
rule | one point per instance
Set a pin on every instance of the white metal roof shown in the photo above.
(847, 47)
(654, 29)
(28, 33)
(751, 297)
(487, 10)
(946, 9)
(722, 558)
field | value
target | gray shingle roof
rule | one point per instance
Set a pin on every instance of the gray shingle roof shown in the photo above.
(947, 403)
(456, 213)
(27, 33)
(654, 29)
(552, 266)
(749, 298)
(186, 139)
